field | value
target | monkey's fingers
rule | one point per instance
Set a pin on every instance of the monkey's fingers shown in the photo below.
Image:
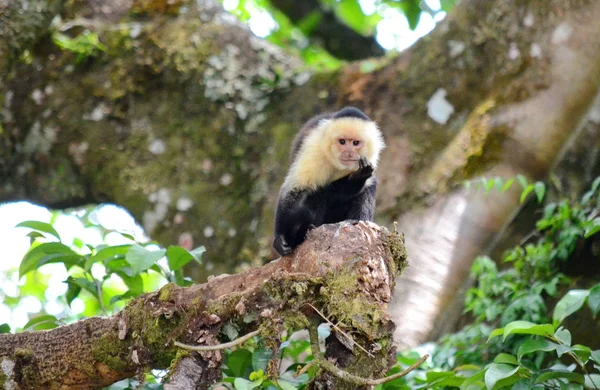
(362, 162)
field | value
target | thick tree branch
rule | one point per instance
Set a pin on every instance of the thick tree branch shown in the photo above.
(337, 38)
(95, 352)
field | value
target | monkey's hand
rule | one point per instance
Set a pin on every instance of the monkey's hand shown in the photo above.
(281, 246)
(365, 171)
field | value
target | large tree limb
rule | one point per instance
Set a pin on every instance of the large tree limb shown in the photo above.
(346, 270)
(190, 109)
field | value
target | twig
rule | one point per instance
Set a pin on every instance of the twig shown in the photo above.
(345, 375)
(334, 326)
(202, 348)
(304, 369)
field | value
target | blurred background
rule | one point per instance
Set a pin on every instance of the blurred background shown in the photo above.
(150, 124)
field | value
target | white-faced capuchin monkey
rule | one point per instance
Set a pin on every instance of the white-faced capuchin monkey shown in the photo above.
(331, 176)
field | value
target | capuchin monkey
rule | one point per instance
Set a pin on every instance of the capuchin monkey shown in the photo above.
(330, 178)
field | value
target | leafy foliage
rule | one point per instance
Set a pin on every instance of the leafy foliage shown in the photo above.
(529, 348)
(85, 45)
(349, 12)
(500, 184)
(91, 267)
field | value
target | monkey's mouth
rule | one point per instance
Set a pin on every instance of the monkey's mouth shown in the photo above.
(349, 162)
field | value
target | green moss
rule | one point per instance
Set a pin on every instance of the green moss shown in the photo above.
(164, 295)
(224, 305)
(395, 244)
(345, 302)
(156, 332)
(110, 351)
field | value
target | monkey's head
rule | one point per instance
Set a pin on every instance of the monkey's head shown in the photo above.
(350, 135)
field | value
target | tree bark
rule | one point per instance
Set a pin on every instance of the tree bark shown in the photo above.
(186, 119)
(278, 296)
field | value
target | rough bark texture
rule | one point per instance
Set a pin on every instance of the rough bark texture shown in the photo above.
(347, 271)
(186, 120)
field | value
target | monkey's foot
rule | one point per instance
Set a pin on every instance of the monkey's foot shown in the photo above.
(282, 247)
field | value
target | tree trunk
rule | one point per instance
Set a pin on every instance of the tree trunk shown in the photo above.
(279, 296)
(185, 119)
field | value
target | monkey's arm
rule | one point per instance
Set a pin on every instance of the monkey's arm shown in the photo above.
(348, 187)
(362, 207)
(294, 216)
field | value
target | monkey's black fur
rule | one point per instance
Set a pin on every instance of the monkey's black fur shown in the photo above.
(350, 198)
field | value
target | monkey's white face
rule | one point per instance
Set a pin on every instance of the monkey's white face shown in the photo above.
(347, 151)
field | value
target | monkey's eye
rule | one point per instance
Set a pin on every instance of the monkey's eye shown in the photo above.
(355, 143)
(342, 142)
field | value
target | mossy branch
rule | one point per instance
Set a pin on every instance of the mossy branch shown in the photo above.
(345, 375)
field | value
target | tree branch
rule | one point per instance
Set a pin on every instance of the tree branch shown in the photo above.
(336, 37)
(99, 351)
(345, 375)
(203, 348)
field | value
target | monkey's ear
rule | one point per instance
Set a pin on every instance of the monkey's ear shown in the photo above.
(351, 112)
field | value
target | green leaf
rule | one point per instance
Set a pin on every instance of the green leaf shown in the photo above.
(412, 11)
(438, 379)
(111, 253)
(260, 358)
(540, 190)
(73, 291)
(447, 5)
(595, 355)
(84, 284)
(231, 331)
(568, 305)
(42, 322)
(291, 379)
(197, 253)
(525, 327)
(507, 185)
(117, 298)
(49, 252)
(308, 23)
(526, 192)
(588, 195)
(141, 258)
(592, 381)
(497, 372)
(240, 363)
(533, 345)
(564, 336)
(506, 359)
(177, 257)
(40, 227)
(245, 384)
(522, 181)
(546, 375)
(583, 352)
(4, 328)
(134, 283)
(350, 12)
(593, 228)
(257, 374)
(473, 379)
(523, 384)
(285, 385)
